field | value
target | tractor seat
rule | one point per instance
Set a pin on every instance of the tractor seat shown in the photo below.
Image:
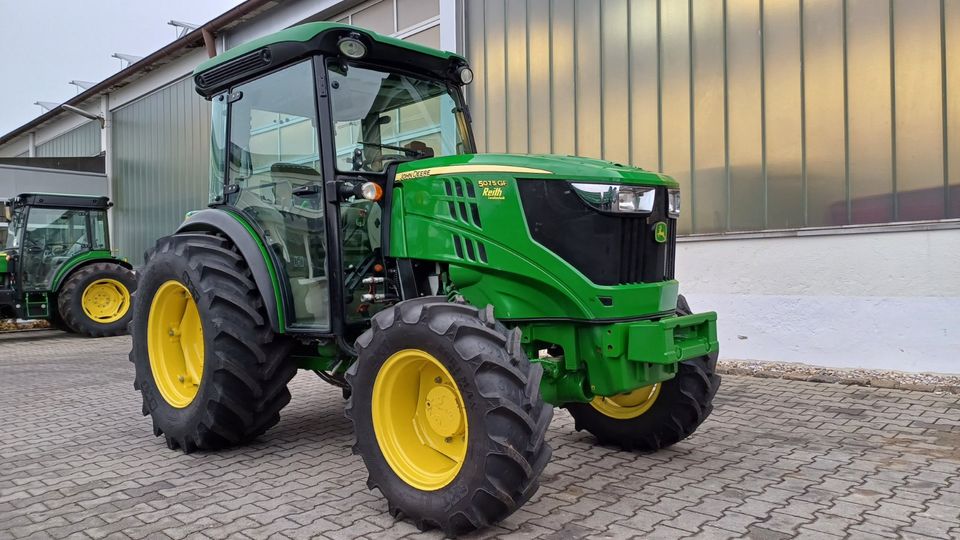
(289, 176)
(421, 147)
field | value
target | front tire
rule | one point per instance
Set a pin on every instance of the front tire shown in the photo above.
(447, 414)
(210, 370)
(95, 301)
(654, 417)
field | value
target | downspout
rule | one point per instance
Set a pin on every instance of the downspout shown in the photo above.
(209, 41)
(32, 144)
(106, 145)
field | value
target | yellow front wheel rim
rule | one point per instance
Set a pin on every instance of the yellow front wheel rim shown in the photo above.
(628, 405)
(419, 419)
(175, 344)
(105, 301)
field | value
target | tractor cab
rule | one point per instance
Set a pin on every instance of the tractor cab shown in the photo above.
(305, 151)
(46, 231)
(50, 238)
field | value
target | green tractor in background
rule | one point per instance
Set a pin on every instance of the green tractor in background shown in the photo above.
(57, 265)
(455, 297)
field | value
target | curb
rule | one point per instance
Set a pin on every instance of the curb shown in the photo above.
(866, 378)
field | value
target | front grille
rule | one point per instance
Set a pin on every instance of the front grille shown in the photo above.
(610, 249)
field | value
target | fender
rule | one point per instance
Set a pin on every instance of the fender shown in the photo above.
(82, 260)
(251, 247)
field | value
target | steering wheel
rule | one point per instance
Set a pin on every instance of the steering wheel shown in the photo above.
(31, 245)
(366, 165)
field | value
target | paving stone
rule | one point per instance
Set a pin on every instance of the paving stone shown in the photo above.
(777, 459)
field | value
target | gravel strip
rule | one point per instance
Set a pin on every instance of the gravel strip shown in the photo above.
(921, 382)
(12, 325)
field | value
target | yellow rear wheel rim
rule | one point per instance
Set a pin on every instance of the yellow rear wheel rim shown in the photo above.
(628, 405)
(175, 344)
(419, 419)
(105, 301)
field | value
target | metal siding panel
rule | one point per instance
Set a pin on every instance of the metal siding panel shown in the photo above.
(589, 80)
(413, 12)
(709, 158)
(377, 17)
(919, 154)
(675, 96)
(951, 96)
(82, 141)
(91, 141)
(868, 95)
(644, 85)
(476, 40)
(495, 73)
(745, 115)
(825, 139)
(815, 107)
(541, 95)
(784, 124)
(161, 160)
(615, 80)
(518, 132)
(564, 68)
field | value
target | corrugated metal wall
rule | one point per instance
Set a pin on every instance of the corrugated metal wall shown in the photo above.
(161, 156)
(770, 113)
(83, 141)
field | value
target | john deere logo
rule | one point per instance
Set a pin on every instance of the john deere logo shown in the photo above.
(660, 232)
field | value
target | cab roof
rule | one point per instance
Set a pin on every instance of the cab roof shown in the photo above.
(58, 200)
(263, 54)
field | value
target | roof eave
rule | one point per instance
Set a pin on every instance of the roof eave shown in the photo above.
(169, 52)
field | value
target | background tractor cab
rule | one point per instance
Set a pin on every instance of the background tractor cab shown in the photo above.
(455, 297)
(57, 265)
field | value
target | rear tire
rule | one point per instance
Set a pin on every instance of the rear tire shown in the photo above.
(242, 366)
(78, 300)
(497, 391)
(680, 405)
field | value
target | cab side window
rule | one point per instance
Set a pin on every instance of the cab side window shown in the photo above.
(273, 156)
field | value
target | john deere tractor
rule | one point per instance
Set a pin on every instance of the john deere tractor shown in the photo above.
(455, 297)
(57, 265)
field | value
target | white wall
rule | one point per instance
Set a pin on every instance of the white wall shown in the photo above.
(15, 147)
(869, 299)
(15, 180)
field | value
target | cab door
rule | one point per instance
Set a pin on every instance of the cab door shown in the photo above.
(275, 179)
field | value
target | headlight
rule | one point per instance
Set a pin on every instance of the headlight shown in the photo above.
(617, 198)
(673, 203)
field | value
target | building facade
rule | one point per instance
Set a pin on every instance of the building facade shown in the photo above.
(817, 143)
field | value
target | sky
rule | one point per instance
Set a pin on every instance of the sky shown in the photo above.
(46, 43)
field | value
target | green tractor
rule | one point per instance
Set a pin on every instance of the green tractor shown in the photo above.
(455, 297)
(57, 265)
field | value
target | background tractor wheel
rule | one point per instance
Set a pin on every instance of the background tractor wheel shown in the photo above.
(209, 368)
(95, 300)
(448, 416)
(656, 416)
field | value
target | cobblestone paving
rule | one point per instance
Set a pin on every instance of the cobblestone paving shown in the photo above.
(777, 459)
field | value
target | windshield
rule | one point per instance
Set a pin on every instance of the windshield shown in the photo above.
(381, 116)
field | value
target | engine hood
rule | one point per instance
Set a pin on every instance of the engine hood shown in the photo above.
(539, 166)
